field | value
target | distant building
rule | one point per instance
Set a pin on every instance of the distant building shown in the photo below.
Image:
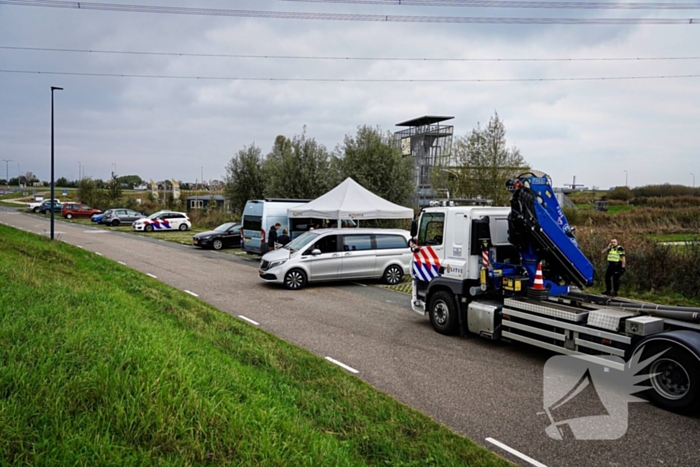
(203, 202)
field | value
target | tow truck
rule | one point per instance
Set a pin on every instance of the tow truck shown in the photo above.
(517, 274)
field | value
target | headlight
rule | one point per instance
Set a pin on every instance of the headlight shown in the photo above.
(279, 262)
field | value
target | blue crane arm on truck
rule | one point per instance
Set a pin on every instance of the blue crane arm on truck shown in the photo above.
(476, 270)
(540, 231)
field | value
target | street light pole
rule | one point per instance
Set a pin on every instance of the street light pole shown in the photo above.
(7, 170)
(53, 88)
(19, 177)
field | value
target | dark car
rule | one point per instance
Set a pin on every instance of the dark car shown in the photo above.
(117, 216)
(46, 206)
(226, 235)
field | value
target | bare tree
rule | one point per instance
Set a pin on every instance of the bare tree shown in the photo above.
(482, 164)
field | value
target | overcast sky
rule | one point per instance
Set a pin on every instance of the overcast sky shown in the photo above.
(178, 128)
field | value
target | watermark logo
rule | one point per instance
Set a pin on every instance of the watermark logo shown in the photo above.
(589, 401)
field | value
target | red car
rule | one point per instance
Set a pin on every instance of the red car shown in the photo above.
(71, 210)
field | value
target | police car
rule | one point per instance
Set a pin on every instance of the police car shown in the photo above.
(163, 221)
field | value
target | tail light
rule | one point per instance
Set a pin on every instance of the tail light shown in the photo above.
(262, 236)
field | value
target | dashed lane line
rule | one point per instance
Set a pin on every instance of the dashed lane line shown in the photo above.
(151, 275)
(98, 253)
(122, 263)
(342, 365)
(518, 454)
(249, 320)
(192, 293)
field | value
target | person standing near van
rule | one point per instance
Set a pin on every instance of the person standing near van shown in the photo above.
(272, 236)
(284, 238)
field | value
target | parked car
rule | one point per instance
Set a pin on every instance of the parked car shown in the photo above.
(226, 235)
(36, 206)
(71, 210)
(47, 206)
(97, 218)
(163, 220)
(117, 216)
(335, 254)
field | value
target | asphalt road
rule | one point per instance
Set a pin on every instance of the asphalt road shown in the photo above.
(484, 390)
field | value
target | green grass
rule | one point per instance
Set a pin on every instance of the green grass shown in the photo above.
(100, 365)
(674, 237)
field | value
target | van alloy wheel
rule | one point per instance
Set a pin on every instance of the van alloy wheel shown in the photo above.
(393, 275)
(295, 279)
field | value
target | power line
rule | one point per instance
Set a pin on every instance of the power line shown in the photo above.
(349, 80)
(519, 4)
(310, 57)
(341, 16)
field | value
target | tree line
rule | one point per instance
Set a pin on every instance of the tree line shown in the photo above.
(477, 165)
(302, 168)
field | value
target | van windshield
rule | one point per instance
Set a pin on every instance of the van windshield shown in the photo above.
(301, 241)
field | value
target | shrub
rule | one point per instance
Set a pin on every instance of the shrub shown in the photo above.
(621, 193)
(210, 218)
(651, 266)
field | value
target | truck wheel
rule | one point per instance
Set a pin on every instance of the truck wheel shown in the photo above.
(443, 313)
(295, 279)
(393, 275)
(675, 380)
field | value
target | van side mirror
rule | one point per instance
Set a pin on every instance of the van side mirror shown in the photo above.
(414, 227)
(315, 252)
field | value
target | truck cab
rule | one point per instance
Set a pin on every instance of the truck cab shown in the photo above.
(451, 248)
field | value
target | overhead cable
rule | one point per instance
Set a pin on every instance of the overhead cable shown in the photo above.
(341, 16)
(520, 4)
(348, 80)
(322, 57)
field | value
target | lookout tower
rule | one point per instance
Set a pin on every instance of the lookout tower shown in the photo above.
(428, 142)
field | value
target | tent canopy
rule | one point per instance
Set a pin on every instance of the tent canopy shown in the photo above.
(350, 200)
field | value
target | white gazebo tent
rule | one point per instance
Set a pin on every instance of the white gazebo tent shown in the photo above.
(350, 200)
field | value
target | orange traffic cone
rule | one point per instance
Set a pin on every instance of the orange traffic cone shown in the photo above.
(539, 280)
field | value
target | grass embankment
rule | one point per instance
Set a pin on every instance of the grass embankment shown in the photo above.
(100, 365)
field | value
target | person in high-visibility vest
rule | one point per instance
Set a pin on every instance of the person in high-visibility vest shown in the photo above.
(616, 267)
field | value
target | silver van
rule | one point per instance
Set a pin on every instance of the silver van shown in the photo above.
(336, 254)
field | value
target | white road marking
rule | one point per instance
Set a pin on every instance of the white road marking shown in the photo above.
(192, 293)
(79, 247)
(519, 454)
(249, 320)
(98, 253)
(151, 275)
(342, 365)
(122, 263)
(357, 283)
(96, 231)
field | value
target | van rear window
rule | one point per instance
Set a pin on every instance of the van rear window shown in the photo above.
(252, 223)
(386, 242)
